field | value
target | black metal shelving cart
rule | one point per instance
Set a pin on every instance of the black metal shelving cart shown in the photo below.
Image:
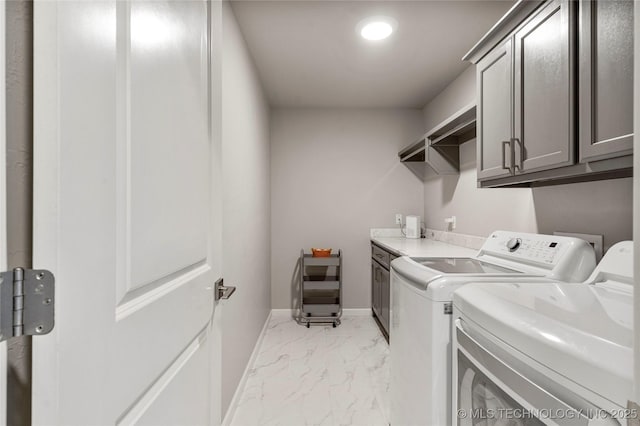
(320, 298)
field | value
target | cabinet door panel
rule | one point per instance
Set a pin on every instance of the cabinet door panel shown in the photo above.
(385, 298)
(494, 124)
(374, 286)
(544, 90)
(376, 289)
(606, 79)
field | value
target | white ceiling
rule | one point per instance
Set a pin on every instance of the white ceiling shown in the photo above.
(308, 53)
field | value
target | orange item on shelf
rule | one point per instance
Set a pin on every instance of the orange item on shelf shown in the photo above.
(321, 252)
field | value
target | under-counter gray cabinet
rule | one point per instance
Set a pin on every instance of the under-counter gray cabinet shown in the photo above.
(385, 298)
(606, 79)
(495, 112)
(381, 287)
(375, 288)
(543, 89)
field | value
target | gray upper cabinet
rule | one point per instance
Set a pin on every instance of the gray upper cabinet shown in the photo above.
(495, 112)
(525, 97)
(543, 89)
(606, 79)
(555, 93)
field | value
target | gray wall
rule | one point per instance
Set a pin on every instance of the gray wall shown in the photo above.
(460, 92)
(246, 205)
(334, 175)
(603, 207)
(19, 78)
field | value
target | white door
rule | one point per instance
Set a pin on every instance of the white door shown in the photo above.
(3, 208)
(123, 201)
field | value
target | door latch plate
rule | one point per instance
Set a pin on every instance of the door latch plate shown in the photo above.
(223, 292)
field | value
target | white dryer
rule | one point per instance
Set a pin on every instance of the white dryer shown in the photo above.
(421, 296)
(547, 353)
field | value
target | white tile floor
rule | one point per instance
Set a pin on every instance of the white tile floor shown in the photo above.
(318, 376)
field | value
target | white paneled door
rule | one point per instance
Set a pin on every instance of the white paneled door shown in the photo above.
(3, 207)
(123, 201)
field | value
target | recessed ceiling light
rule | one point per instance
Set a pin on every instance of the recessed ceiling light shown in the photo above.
(376, 28)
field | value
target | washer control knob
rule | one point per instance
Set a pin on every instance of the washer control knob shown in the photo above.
(513, 244)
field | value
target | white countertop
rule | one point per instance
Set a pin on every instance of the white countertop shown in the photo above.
(422, 247)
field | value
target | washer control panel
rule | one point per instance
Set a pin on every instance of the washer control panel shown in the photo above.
(544, 251)
(559, 257)
(536, 248)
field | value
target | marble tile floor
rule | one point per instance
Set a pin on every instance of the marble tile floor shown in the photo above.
(317, 376)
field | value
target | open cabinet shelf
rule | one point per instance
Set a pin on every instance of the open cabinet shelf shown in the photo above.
(457, 130)
(438, 151)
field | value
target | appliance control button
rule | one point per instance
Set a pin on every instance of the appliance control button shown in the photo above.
(513, 244)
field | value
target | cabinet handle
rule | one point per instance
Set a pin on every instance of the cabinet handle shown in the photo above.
(508, 143)
(521, 156)
(504, 164)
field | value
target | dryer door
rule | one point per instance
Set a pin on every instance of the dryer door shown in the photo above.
(483, 402)
(490, 392)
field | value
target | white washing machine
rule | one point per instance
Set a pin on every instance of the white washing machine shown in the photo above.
(422, 288)
(547, 353)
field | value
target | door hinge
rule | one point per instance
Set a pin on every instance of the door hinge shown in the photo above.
(26, 303)
(448, 308)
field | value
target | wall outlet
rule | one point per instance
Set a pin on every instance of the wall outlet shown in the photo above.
(398, 218)
(451, 222)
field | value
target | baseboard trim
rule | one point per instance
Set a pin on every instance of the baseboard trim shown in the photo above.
(282, 312)
(349, 312)
(228, 417)
(356, 312)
